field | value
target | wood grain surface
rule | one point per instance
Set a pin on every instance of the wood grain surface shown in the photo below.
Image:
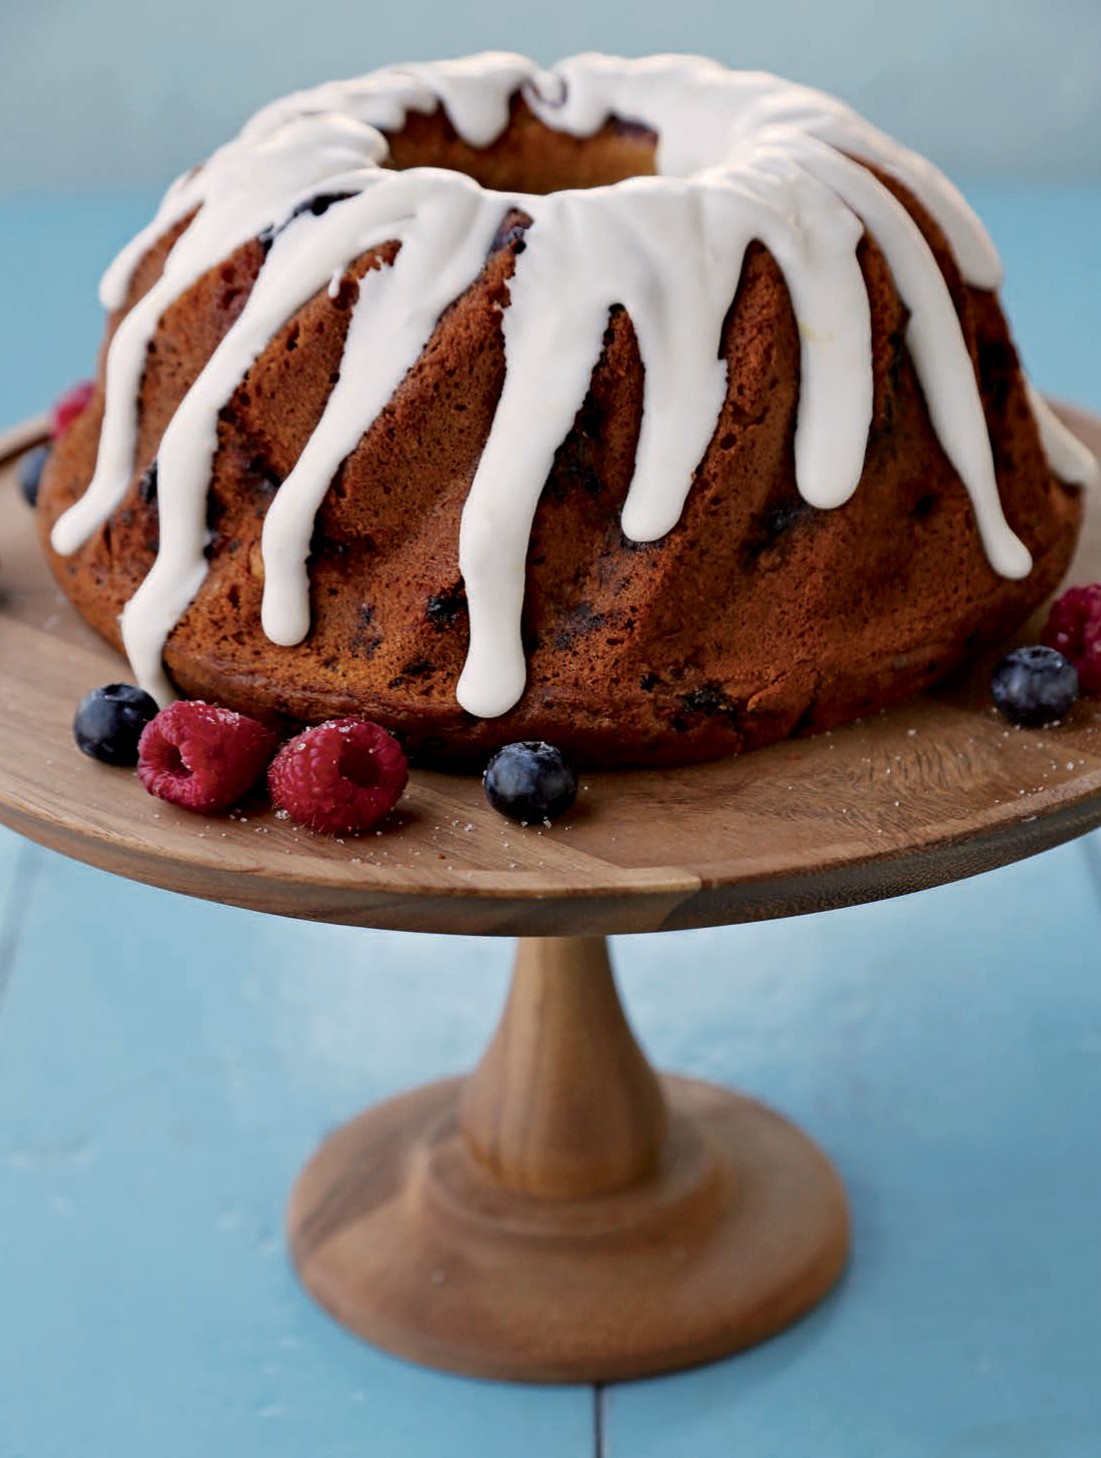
(564, 1105)
(937, 790)
(403, 1238)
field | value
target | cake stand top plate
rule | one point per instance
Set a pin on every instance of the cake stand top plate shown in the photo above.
(929, 793)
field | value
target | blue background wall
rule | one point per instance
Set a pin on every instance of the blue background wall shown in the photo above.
(108, 92)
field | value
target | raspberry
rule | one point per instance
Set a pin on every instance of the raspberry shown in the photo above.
(339, 777)
(1074, 627)
(74, 402)
(202, 757)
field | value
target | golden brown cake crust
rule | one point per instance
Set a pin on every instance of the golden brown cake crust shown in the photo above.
(755, 618)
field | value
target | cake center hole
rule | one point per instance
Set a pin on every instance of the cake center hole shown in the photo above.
(528, 156)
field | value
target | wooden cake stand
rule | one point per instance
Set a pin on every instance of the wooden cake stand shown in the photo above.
(564, 1214)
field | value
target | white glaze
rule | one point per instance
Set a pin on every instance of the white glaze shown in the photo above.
(1070, 459)
(741, 157)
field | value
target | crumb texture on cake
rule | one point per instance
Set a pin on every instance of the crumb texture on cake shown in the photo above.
(653, 409)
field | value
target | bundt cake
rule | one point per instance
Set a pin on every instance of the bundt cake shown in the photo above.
(657, 410)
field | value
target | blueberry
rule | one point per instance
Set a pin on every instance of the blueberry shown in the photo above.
(1035, 686)
(31, 466)
(109, 722)
(530, 782)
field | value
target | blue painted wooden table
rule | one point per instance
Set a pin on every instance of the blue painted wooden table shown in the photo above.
(166, 1066)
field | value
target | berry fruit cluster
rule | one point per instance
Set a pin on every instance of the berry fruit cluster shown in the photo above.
(340, 778)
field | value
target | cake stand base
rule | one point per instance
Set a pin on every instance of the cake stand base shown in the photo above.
(567, 1216)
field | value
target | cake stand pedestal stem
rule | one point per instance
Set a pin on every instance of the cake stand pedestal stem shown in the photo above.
(564, 1214)
(564, 1104)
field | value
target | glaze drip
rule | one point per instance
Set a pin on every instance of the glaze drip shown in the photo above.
(741, 157)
